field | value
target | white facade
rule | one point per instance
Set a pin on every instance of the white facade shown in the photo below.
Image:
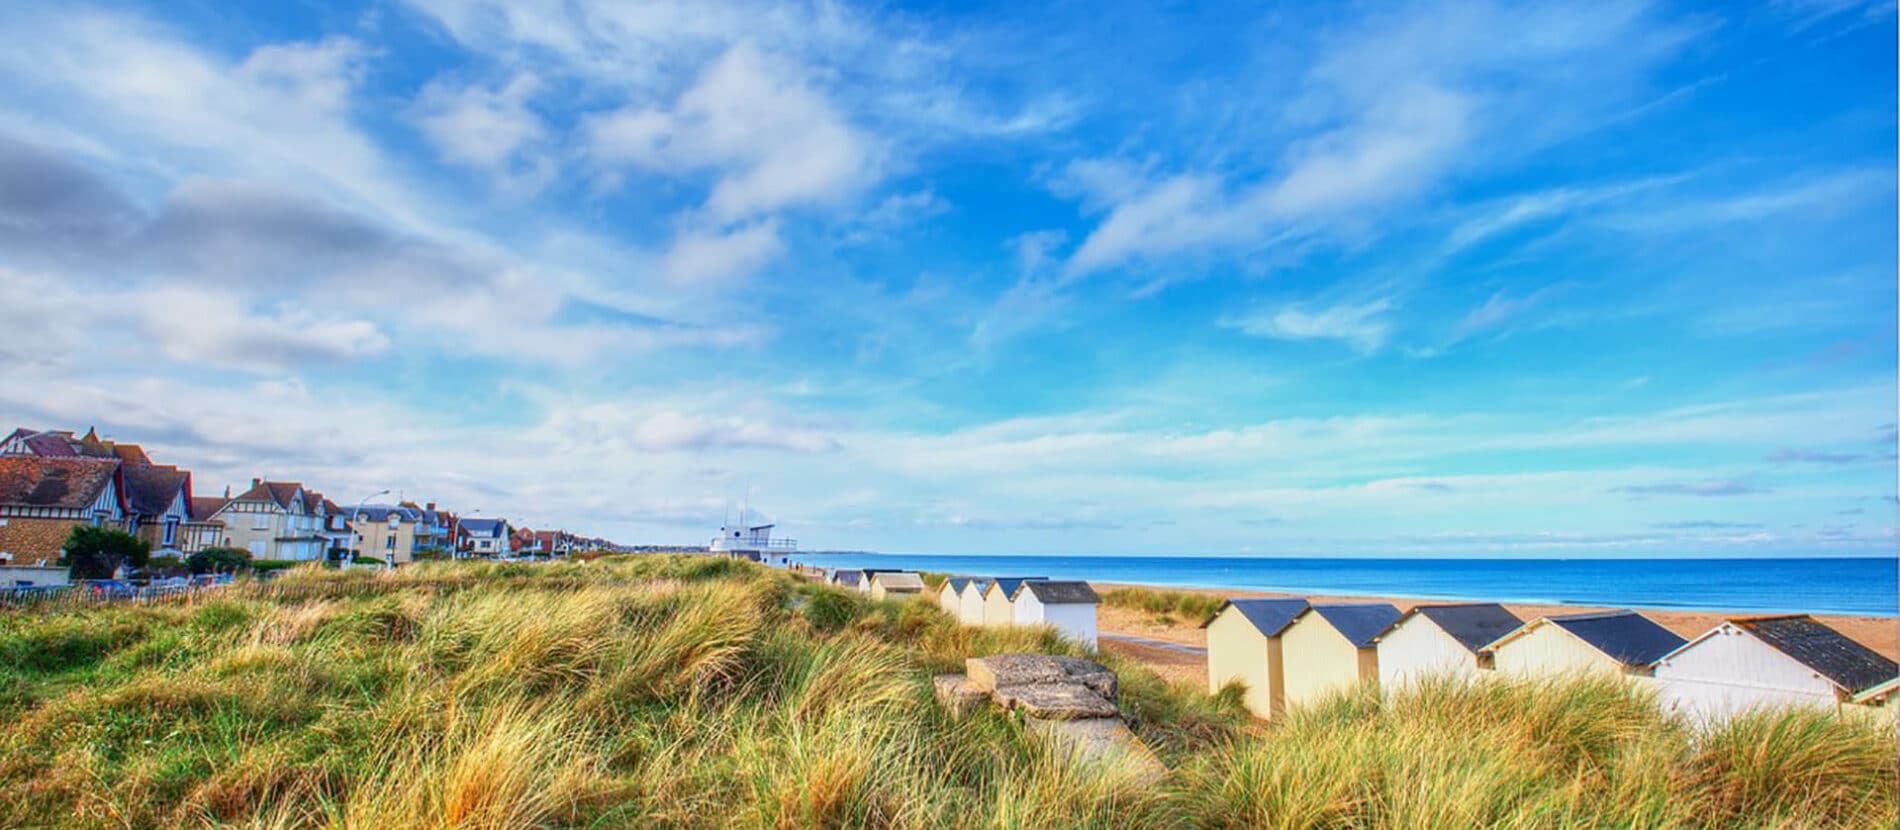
(949, 599)
(1728, 672)
(1546, 650)
(1075, 620)
(1417, 648)
(970, 604)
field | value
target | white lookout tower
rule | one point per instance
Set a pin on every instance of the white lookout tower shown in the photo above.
(749, 541)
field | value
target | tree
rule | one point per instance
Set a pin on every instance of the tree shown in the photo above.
(98, 552)
(218, 560)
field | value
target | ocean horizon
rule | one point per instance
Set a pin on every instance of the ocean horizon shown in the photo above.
(1865, 586)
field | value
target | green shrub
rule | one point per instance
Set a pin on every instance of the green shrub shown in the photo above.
(830, 610)
(99, 552)
(219, 560)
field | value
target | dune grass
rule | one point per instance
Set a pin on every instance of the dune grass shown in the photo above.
(662, 691)
(1165, 605)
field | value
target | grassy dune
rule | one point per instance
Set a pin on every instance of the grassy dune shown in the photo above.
(682, 692)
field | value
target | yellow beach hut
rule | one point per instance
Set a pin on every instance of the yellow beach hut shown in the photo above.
(950, 594)
(896, 585)
(1243, 646)
(1615, 642)
(1329, 648)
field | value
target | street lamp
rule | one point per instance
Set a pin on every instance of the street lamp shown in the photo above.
(356, 517)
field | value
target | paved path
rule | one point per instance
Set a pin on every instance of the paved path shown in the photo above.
(1144, 641)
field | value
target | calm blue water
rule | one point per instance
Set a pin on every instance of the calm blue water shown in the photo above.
(1833, 586)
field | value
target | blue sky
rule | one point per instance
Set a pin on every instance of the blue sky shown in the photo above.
(1441, 279)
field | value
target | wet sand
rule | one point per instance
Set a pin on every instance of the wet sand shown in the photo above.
(1882, 634)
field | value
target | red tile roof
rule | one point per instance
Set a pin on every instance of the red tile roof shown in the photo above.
(68, 483)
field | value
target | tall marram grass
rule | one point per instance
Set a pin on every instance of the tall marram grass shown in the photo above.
(678, 692)
(1165, 604)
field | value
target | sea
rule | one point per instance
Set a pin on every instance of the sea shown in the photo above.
(1861, 586)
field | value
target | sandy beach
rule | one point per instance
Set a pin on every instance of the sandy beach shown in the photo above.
(1881, 634)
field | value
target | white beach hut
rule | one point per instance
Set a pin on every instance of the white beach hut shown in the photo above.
(1328, 648)
(970, 601)
(1243, 646)
(1067, 605)
(1619, 642)
(1441, 641)
(896, 585)
(847, 578)
(998, 599)
(1757, 662)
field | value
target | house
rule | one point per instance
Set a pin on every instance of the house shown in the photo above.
(1441, 641)
(204, 529)
(384, 531)
(1619, 642)
(896, 585)
(1754, 662)
(520, 541)
(950, 594)
(1243, 646)
(157, 503)
(999, 599)
(1328, 648)
(57, 444)
(970, 601)
(485, 537)
(42, 498)
(333, 524)
(274, 520)
(846, 578)
(1067, 605)
(432, 528)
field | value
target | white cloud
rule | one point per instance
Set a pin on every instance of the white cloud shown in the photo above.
(701, 256)
(492, 130)
(1361, 325)
(770, 140)
(213, 329)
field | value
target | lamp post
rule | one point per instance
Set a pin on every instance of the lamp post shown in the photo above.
(356, 517)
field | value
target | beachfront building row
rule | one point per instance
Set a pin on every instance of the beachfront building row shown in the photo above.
(52, 480)
(1287, 653)
(1069, 607)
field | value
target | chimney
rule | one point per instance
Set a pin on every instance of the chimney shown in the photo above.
(431, 507)
(227, 492)
(256, 481)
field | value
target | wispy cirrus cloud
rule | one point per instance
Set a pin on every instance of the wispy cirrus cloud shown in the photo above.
(1364, 326)
(1708, 487)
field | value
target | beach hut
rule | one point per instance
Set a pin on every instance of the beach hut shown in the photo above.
(1441, 640)
(1755, 662)
(847, 578)
(1328, 648)
(998, 599)
(1622, 642)
(950, 594)
(896, 585)
(1243, 646)
(1067, 605)
(970, 602)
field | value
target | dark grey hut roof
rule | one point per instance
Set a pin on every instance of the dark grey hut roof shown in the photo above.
(1474, 625)
(1626, 636)
(847, 577)
(982, 583)
(1829, 653)
(956, 583)
(1268, 616)
(1064, 592)
(1009, 584)
(1358, 621)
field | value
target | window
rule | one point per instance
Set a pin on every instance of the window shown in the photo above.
(390, 542)
(260, 521)
(98, 518)
(257, 550)
(171, 531)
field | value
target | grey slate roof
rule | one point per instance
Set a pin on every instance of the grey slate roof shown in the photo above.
(847, 577)
(1009, 584)
(1358, 621)
(1829, 653)
(1626, 636)
(956, 583)
(1063, 592)
(1268, 616)
(64, 483)
(1474, 625)
(981, 583)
